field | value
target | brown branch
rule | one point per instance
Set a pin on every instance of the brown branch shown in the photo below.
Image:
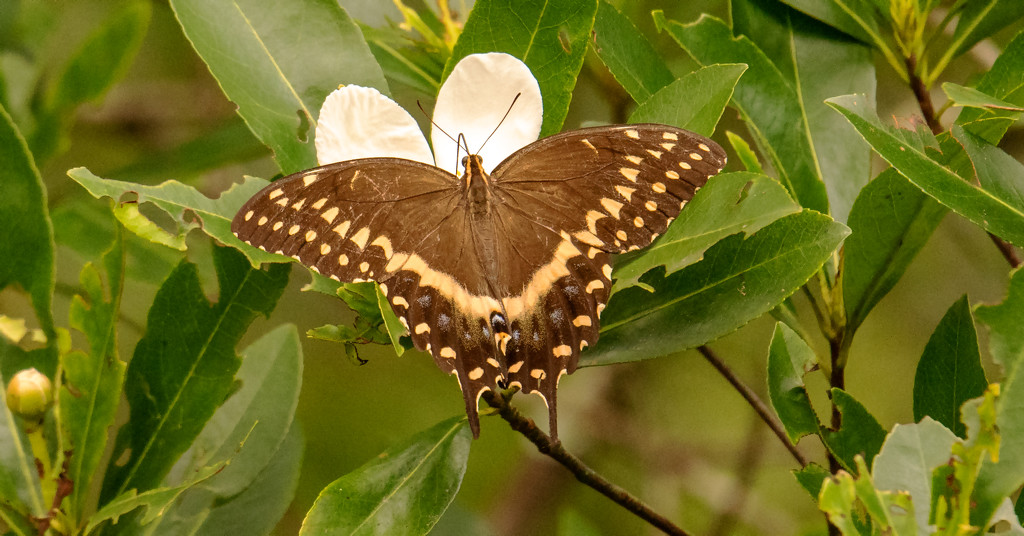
(755, 402)
(584, 474)
(924, 99)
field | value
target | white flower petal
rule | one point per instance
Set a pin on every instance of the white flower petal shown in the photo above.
(360, 122)
(472, 102)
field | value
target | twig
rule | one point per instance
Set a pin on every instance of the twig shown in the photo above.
(584, 474)
(755, 402)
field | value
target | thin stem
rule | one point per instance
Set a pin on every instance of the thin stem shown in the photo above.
(924, 99)
(755, 402)
(584, 474)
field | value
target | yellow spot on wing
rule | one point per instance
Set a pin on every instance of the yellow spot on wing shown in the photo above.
(360, 237)
(670, 136)
(632, 134)
(563, 350)
(582, 320)
(629, 173)
(475, 374)
(319, 203)
(422, 328)
(626, 192)
(275, 194)
(342, 228)
(309, 179)
(385, 244)
(611, 206)
(330, 214)
(447, 352)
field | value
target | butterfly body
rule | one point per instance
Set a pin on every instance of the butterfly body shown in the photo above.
(501, 277)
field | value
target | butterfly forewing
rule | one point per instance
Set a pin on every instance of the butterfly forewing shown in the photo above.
(503, 293)
(616, 188)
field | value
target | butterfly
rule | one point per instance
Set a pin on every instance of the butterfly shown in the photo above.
(500, 277)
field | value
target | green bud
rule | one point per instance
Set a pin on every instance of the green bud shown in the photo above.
(29, 394)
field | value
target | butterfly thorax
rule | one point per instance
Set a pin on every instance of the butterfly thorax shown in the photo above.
(477, 187)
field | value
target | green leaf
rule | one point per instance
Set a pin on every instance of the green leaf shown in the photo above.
(859, 434)
(891, 221)
(789, 358)
(694, 102)
(183, 368)
(258, 508)
(982, 18)
(909, 455)
(730, 203)
(967, 96)
(628, 54)
(1004, 321)
(818, 64)
(998, 173)
(979, 205)
(1005, 81)
(998, 480)
(94, 67)
(762, 96)
(550, 36)
(278, 62)
(258, 415)
(403, 491)
(91, 386)
(949, 372)
(133, 220)
(27, 247)
(738, 280)
(854, 17)
(155, 501)
(744, 152)
(811, 477)
(187, 207)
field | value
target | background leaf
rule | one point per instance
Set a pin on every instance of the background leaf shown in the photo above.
(101, 60)
(549, 36)
(789, 358)
(949, 372)
(981, 19)
(890, 223)
(184, 366)
(762, 95)
(27, 249)
(403, 491)
(737, 281)
(278, 81)
(854, 17)
(818, 64)
(628, 54)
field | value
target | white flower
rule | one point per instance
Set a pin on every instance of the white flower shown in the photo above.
(359, 122)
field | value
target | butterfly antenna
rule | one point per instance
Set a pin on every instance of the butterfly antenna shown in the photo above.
(499, 122)
(425, 114)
